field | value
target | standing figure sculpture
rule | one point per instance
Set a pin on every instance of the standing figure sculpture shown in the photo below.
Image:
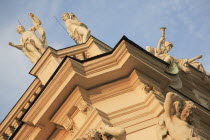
(176, 123)
(32, 46)
(78, 31)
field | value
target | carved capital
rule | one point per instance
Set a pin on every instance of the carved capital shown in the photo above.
(67, 124)
(83, 106)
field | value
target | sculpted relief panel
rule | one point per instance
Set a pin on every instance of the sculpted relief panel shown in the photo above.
(176, 124)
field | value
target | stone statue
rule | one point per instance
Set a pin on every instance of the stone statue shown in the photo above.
(184, 64)
(32, 46)
(176, 123)
(162, 50)
(105, 133)
(78, 31)
(37, 25)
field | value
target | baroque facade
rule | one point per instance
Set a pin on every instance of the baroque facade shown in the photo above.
(93, 92)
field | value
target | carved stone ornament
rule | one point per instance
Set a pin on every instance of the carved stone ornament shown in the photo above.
(67, 124)
(78, 31)
(31, 45)
(176, 124)
(92, 134)
(105, 133)
(83, 107)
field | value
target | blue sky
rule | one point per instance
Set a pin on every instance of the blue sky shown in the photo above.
(187, 22)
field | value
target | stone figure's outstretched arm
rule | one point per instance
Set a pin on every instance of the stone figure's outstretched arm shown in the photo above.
(37, 26)
(168, 104)
(34, 19)
(162, 39)
(195, 58)
(16, 46)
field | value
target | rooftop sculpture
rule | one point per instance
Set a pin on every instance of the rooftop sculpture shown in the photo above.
(78, 31)
(31, 45)
(161, 51)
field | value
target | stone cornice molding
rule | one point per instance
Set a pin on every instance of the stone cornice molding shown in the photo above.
(14, 116)
(51, 93)
(27, 132)
(81, 48)
(78, 100)
(46, 56)
(121, 86)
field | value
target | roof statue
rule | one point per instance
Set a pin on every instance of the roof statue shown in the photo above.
(184, 64)
(31, 45)
(78, 31)
(176, 123)
(162, 50)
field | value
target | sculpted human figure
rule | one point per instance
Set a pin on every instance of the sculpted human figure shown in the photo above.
(78, 31)
(37, 26)
(184, 63)
(176, 123)
(162, 50)
(30, 44)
